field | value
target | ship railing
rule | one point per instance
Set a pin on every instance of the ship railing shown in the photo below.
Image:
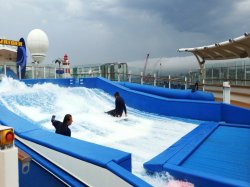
(168, 81)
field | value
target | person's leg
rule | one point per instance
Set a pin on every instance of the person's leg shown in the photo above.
(111, 112)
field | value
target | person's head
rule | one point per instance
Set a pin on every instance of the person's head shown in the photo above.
(68, 119)
(116, 94)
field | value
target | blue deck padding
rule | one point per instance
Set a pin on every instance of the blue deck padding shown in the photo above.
(90, 152)
(234, 114)
(88, 82)
(193, 156)
(96, 154)
(214, 154)
(170, 93)
(66, 82)
(43, 177)
(192, 141)
(226, 153)
(10, 119)
(134, 181)
(201, 179)
(179, 151)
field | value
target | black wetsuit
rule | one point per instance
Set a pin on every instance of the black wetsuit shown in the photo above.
(119, 107)
(61, 128)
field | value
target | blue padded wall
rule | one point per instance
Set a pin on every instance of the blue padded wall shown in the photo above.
(184, 108)
(170, 93)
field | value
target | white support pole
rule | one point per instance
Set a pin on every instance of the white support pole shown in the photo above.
(90, 72)
(154, 79)
(141, 77)
(169, 81)
(100, 72)
(108, 72)
(203, 85)
(44, 72)
(212, 75)
(226, 92)
(5, 70)
(8, 158)
(118, 71)
(33, 72)
(55, 72)
(186, 83)
(245, 74)
(9, 167)
(129, 76)
(236, 74)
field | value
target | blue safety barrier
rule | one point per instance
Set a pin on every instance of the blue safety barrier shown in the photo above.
(170, 93)
(193, 158)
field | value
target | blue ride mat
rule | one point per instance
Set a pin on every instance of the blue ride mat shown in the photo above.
(214, 154)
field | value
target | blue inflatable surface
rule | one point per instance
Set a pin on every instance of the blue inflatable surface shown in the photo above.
(184, 108)
(216, 153)
(116, 161)
(170, 93)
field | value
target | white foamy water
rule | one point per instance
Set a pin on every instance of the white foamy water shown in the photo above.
(144, 135)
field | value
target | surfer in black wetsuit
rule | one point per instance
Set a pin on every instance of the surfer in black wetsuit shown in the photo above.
(119, 106)
(62, 127)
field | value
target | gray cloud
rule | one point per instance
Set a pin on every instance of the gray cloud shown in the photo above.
(102, 31)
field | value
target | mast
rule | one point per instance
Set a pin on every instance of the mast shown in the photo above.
(145, 65)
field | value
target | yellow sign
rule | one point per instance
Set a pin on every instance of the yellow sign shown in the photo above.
(10, 42)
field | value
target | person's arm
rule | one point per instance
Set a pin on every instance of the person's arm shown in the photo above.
(124, 108)
(56, 124)
(53, 118)
(116, 106)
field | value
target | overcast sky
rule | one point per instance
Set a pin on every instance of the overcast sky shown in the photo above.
(104, 31)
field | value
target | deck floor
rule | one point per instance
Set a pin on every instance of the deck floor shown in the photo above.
(225, 153)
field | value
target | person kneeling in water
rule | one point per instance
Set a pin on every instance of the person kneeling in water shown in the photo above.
(62, 127)
(119, 106)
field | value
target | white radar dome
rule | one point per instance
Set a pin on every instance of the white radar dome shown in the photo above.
(37, 43)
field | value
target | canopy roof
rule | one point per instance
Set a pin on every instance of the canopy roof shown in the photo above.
(7, 54)
(233, 48)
